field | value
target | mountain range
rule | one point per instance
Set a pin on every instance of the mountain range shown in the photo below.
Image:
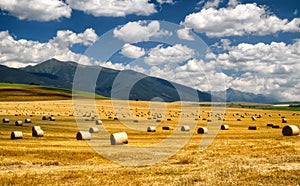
(236, 95)
(60, 74)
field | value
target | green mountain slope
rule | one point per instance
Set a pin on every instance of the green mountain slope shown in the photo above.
(146, 88)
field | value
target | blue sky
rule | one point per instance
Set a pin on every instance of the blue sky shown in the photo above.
(251, 46)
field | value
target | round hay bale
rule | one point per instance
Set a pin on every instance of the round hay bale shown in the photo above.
(269, 125)
(284, 120)
(38, 133)
(252, 128)
(185, 128)
(5, 120)
(27, 120)
(202, 130)
(19, 123)
(51, 118)
(83, 135)
(158, 121)
(253, 118)
(16, 135)
(94, 130)
(166, 128)
(98, 122)
(290, 130)
(44, 118)
(224, 127)
(36, 128)
(119, 138)
(151, 129)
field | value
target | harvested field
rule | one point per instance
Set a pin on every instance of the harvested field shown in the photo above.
(237, 156)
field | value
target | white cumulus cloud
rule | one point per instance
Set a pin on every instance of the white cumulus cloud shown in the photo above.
(45, 10)
(263, 68)
(239, 20)
(109, 64)
(171, 54)
(132, 51)
(165, 1)
(113, 8)
(20, 53)
(195, 73)
(233, 3)
(185, 34)
(210, 3)
(48, 10)
(66, 38)
(134, 32)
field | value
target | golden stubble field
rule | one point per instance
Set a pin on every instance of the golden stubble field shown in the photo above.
(237, 156)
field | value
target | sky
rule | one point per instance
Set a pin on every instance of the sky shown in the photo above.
(251, 46)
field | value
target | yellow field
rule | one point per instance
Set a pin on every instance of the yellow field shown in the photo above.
(237, 156)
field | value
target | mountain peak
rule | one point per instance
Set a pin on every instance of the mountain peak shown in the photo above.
(230, 89)
(56, 61)
(233, 95)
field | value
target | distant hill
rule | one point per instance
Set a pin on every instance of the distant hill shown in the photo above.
(12, 75)
(146, 88)
(236, 95)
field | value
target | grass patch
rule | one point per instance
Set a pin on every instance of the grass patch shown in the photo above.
(25, 92)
